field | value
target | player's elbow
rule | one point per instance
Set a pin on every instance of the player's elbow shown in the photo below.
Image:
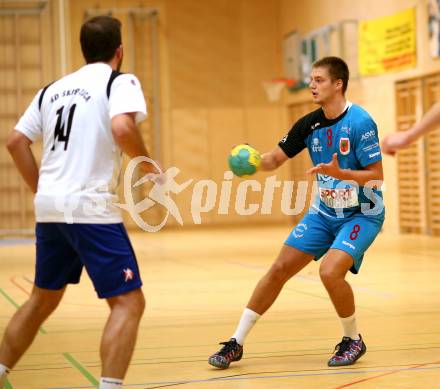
(378, 175)
(375, 180)
(121, 133)
(15, 141)
(268, 162)
(11, 145)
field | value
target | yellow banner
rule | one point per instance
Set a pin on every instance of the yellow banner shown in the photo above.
(387, 44)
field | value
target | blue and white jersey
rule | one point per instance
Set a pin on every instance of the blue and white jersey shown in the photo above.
(353, 136)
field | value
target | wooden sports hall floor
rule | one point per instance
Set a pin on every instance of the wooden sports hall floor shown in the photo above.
(197, 283)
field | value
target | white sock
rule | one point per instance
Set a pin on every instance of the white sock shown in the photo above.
(247, 321)
(4, 371)
(110, 383)
(349, 327)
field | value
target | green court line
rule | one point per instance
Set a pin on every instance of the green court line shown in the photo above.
(9, 298)
(81, 368)
(8, 385)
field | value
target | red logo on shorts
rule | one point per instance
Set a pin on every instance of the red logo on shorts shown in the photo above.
(129, 275)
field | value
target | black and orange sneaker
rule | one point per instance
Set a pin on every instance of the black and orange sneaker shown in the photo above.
(230, 352)
(347, 352)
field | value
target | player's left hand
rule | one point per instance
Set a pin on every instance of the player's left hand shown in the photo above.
(329, 169)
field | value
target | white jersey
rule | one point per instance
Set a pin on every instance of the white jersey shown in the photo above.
(81, 163)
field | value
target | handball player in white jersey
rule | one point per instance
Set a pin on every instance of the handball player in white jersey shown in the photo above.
(85, 121)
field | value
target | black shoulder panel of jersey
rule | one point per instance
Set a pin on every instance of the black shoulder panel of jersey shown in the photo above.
(294, 142)
(110, 81)
(309, 122)
(40, 100)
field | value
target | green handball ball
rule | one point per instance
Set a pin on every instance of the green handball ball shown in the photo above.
(244, 160)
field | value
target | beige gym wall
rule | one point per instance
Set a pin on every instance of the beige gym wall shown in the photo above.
(29, 40)
(214, 56)
(375, 94)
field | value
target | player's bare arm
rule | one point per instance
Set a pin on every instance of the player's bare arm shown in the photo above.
(400, 140)
(373, 172)
(19, 146)
(129, 139)
(273, 159)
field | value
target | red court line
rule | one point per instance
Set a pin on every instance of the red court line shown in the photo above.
(385, 374)
(12, 279)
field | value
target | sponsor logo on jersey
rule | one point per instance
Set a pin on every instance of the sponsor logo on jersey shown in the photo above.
(346, 129)
(299, 230)
(316, 147)
(368, 135)
(128, 274)
(324, 177)
(374, 154)
(344, 242)
(313, 126)
(371, 147)
(339, 198)
(344, 146)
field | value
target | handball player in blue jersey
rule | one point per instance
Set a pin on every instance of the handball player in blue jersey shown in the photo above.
(343, 221)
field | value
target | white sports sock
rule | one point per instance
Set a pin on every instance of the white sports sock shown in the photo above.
(247, 321)
(110, 383)
(349, 327)
(4, 371)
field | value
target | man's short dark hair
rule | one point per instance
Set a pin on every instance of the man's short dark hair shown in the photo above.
(337, 68)
(100, 37)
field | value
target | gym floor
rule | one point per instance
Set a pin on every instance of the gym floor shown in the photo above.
(198, 282)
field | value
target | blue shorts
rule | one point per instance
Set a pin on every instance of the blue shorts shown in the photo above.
(316, 233)
(104, 249)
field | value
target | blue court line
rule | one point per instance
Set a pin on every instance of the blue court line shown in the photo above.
(314, 279)
(258, 267)
(28, 280)
(16, 241)
(247, 378)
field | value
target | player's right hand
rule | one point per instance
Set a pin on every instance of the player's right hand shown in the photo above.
(394, 142)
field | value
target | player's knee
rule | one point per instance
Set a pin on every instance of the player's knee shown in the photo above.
(328, 276)
(133, 304)
(279, 272)
(140, 305)
(136, 306)
(43, 306)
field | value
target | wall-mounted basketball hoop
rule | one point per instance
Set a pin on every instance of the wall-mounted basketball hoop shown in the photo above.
(274, 87)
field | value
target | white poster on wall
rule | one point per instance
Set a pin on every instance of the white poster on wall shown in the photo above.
(434, 27)
(291, 53)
